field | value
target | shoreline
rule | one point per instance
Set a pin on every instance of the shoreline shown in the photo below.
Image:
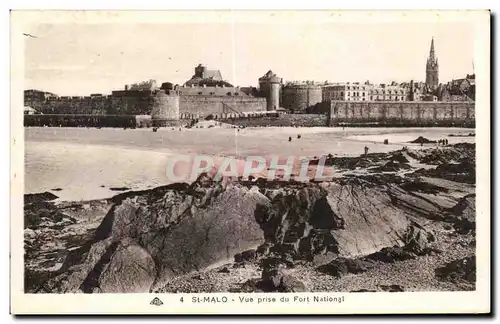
(138, 160)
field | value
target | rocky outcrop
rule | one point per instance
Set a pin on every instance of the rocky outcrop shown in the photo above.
(150, 236)
(39, 197)
(461, 152)
(322, 222)
(458, 270)
(422, 140)
(347, 225)
(343, 266)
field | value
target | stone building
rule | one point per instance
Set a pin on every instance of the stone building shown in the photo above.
(346, 91)
(388, 92)
(415, 91)
(458, 89)
(356, 91)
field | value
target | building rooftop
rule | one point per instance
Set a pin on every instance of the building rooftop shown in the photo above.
(270, 76)
(205, 77)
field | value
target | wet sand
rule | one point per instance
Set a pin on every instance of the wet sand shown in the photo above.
(86, 162)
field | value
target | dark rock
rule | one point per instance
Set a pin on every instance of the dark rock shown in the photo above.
(131, 269)
(392, 288)
(391, 254)
(237, 265)
(119, 188)
(238, 258)
(251, 285)
(463, 214)
(290, 283)
(391, 166)
(248, 255)
(458, 270)
(39, 197)
(363, 290)
(272, 272)
(431, 251)
(418, 185)
(342, 266)
(399, 157)
(417, 239)
(224, 270)
(422, 140)
(56, 189)
(464, 226)
(272, 277)
(263, 249)
(447, 227)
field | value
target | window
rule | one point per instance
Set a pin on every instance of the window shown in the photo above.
(342, 93)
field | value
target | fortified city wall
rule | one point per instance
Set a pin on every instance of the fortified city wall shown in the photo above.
(409, 112)
(135, 102)
(282, 120)
(98, 105)
(202, 106)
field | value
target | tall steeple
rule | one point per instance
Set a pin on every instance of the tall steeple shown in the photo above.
(432, 69)
(432, 53)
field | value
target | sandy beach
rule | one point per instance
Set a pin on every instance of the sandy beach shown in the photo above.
(86, 163)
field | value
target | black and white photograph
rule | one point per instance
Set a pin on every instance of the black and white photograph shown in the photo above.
(232, 157)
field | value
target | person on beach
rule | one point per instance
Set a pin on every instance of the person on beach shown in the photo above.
(298, 136)
(366, 150)
(289, 138)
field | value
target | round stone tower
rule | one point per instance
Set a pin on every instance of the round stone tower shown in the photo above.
(165, 108)
(270, 85)
(298, 97)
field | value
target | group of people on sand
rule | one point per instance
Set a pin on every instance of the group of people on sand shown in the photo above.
(443, 141)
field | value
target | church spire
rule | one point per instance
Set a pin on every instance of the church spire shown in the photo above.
(432, 60)
(432, 54)
(432, 68)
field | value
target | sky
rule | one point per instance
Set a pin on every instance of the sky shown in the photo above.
(79, 59)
